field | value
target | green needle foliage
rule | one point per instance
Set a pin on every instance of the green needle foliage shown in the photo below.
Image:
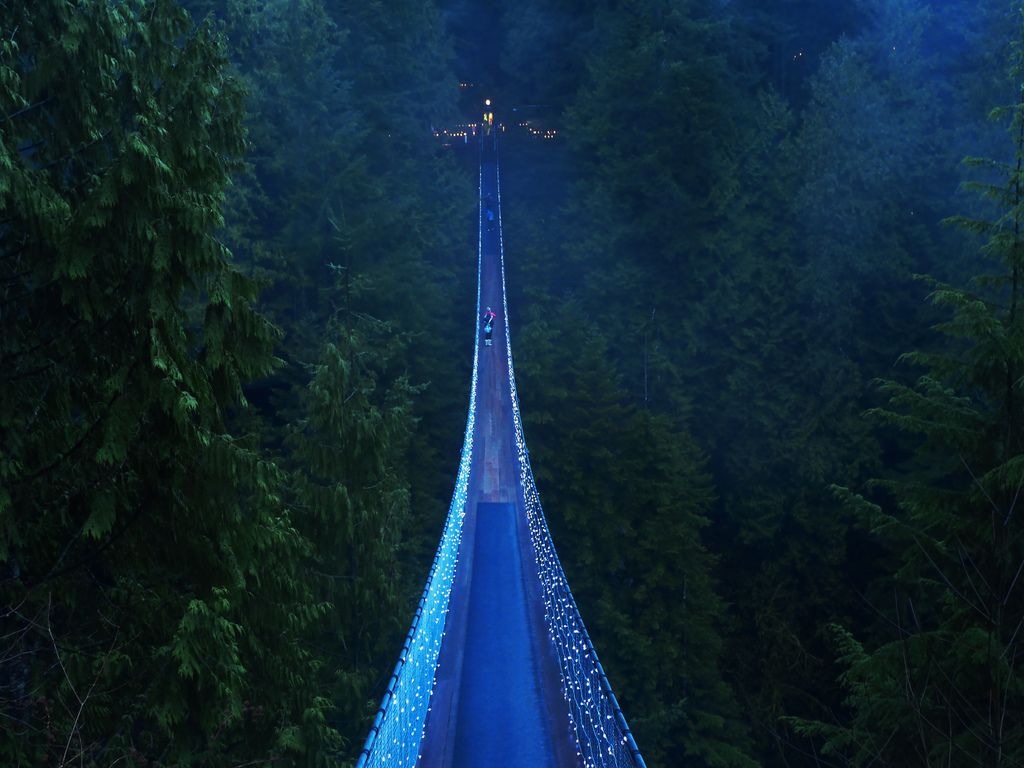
(743, 194)
(628, 496)
(154, 605)
(945, 688)
(353, 501)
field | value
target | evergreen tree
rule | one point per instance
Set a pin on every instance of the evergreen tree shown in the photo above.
(342, 99)
(352, 503)
(155, 608)
(627, 498)
(346, 215)
(946, 689)
(544, 51)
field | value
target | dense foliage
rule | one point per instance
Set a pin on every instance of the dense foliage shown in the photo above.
(744, 194)
(945, 687)
(204, 504)
(234, 263)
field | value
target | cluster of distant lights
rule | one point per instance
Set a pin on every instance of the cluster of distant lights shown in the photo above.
(603, 738)
(399, 727)
(461, 131)
(465, 131)
(543, 133)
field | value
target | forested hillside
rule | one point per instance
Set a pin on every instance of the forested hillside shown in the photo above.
(766, 324)
(230, 286)
(744, 199)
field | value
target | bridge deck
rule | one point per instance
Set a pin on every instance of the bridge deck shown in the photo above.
(497, 699)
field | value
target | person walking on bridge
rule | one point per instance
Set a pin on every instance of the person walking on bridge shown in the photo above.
(489, 211)
(489, 317)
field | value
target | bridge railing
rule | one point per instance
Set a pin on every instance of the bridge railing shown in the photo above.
(397, 732)
(603, 738)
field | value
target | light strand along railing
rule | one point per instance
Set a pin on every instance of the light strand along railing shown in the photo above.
(397, 732)
(603, 738)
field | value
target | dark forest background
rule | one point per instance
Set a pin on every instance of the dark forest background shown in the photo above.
(766, 326)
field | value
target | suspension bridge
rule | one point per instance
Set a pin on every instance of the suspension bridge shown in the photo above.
(497, 670)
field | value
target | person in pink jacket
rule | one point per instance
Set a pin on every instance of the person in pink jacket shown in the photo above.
(489, 317)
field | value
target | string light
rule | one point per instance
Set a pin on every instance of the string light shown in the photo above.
(603, 738)
(544, 133)
(398, 728)
(466, 130)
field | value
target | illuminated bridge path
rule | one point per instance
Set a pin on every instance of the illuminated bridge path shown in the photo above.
(497, 670)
